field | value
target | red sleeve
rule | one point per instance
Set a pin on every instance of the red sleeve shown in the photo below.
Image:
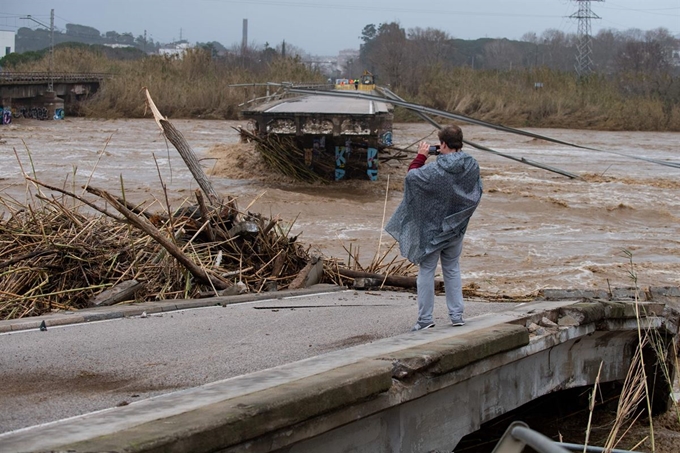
(418, 162)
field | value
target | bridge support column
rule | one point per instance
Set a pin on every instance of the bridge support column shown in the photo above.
(53, 104)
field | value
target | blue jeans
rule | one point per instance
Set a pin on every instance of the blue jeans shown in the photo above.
(452, 282)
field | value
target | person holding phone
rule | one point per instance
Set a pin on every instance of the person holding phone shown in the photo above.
(431, 221)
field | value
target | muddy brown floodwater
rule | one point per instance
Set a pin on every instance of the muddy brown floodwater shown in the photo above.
(533, 230)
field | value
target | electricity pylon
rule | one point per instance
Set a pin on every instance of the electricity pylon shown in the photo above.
(584, 63)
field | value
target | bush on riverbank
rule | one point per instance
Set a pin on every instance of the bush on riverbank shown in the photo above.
(197, 86)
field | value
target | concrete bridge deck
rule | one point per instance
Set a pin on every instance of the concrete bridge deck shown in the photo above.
(419, 391)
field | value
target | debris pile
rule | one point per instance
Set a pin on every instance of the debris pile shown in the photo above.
(283, 155)
(55, 257)
(74, 251)
(62, 254)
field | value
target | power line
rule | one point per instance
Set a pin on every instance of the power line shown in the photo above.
(362, 7)
(646, 10)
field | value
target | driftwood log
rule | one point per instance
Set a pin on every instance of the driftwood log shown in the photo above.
(386, 280)
(175, 137)
(309, 275)
(121, 292)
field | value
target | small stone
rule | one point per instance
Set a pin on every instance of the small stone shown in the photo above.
(535, 329)
(545, 322)
(143, 315)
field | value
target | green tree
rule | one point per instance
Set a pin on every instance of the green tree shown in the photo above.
(384, 51)
(14, 59)
(368, 33)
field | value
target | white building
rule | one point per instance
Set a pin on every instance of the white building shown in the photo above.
(176, 50)
(7, 43)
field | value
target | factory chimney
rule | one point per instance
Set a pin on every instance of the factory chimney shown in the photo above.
(244, 41)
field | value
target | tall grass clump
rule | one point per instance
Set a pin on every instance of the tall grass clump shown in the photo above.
(636, 395)
(194, 86)
(562, 100)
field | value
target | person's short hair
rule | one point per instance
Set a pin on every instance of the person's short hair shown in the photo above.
(452, 136)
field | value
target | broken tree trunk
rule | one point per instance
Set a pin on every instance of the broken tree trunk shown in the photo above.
(388, 280)
(205, 216)
(182, 146)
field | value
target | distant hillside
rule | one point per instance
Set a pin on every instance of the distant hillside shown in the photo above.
(14, 60)
(29, 40)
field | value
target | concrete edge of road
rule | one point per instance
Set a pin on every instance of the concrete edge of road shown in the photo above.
(136, 309)
(661, 294)
(238, 409)
(352, 382)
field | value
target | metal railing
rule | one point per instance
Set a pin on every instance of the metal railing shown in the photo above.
(518, 435)
(8, 78)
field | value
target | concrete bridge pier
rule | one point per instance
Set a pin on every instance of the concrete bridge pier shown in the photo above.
(44, 106)
(53, 104)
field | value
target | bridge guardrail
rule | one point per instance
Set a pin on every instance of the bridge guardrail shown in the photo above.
(518, 435)
(43, 77)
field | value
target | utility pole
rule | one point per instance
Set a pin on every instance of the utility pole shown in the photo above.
(50, 82)
(50, 85)
(244, 37)
(584, 63)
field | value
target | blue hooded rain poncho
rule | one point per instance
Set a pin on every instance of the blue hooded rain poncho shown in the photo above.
(439, 199)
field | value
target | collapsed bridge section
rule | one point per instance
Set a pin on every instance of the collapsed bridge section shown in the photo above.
(329, 137)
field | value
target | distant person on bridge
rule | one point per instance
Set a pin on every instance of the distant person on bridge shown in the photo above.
(430, 222)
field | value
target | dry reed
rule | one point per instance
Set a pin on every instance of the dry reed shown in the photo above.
(198, 86)
(56, 257)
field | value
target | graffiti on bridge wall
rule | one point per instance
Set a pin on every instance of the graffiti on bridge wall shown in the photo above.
(59, 114)
(6, 115)
(372, 164)
(341, 155)
(36, 113)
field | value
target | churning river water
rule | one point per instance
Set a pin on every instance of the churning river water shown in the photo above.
(534, 229)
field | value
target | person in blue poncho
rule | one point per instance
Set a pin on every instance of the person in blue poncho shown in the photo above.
(430, 222)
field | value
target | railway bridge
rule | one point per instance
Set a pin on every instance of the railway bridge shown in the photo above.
(44, 95)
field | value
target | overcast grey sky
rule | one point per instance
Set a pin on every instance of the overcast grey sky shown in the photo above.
(323, 27)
